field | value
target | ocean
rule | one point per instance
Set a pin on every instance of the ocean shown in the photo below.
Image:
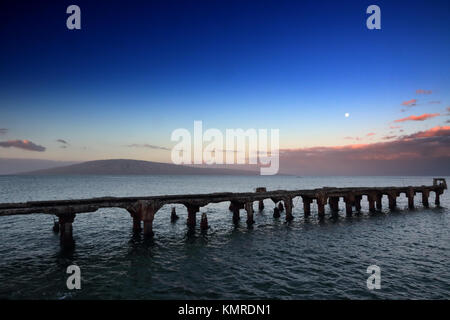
(304, 259)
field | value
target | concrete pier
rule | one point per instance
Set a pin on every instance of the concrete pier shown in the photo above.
(249, 208)
(144, 209)
(204, 222)
(307, 205)
(288, 205)
(192, 215)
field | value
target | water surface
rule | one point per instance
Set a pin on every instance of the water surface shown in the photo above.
(304, 259)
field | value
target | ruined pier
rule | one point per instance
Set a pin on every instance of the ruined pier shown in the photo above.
(143, 209)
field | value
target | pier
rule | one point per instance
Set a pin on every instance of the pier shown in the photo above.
(143, 209)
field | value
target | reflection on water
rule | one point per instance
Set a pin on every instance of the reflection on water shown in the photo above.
(304, 259)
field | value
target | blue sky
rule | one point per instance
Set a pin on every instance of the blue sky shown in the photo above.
(137, 70)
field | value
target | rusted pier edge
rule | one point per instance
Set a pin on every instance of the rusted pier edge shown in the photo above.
(145, 208)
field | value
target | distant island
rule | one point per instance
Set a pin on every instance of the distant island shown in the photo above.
(134, 167)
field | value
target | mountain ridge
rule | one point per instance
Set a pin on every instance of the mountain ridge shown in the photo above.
(134, 167)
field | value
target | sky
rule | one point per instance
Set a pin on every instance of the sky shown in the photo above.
(138, 70)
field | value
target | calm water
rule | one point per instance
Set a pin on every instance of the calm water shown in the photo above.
(275, 260)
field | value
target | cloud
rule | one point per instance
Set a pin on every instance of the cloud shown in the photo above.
(370, 134)
(439, 131)
(353, 138)
(409, 103)
(3, 131)
(22, 144)
(395, 127)
(149, 146)
(434, 102)
(424, 152)
(422, 91)
(422, 117)
(62, 141)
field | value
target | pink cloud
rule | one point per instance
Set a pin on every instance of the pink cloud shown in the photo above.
(22, 144)
(370, 134)
(421, 91)
(424, 152)
(422, 117)
(409, 103)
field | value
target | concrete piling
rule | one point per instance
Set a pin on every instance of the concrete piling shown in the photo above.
(410, 195)
(204, 222)
(307, 206)
(173, 215)
(276, 212)
(425, 195)
(249, 208)
(378, 201)
(288, 205)
(192, 215)
(392, 196)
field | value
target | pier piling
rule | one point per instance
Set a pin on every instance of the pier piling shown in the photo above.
(204, 222)
(288, 205)
(276, 212)
(371, 197)
(392, 196)
(66, 235)
(425, 195)
(321, 206)
(249, 208)
(358, 204)
(410, 195)
(173, 215)
(379, 201)
(192, 215)
(306, 206)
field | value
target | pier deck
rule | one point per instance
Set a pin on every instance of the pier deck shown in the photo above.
(145, 208)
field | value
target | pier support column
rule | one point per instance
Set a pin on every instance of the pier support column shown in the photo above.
(248, 206)
(436, 200)
(261, 203)
(235, 207)
(321, 201)
(276, 212)
(173, 215)
(410, 194)
(358, 204)
(306, 206)
(66, 232)
(56, 226)
(204, 222)
(379, 200)
(289, 205)
(280, 206)
(371, 198)
(334, 204)
(136, 215)
(192, 215)
(425, 195)
(349, 200)
(392, 196)
(147, 211)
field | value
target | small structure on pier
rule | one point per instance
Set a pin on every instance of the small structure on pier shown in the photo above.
(143, 209)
